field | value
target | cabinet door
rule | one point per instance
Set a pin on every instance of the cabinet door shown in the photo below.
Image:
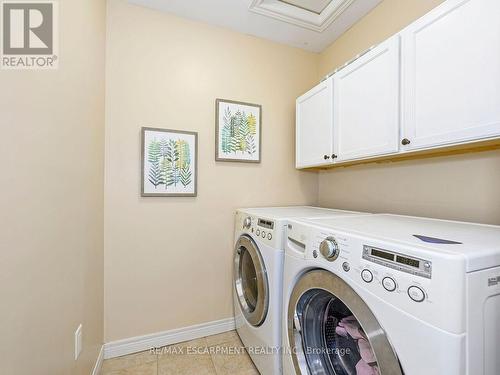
(366, 104)
(451, 74)
(314, 132)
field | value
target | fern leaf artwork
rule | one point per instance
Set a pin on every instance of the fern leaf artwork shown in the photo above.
(154, 151)
(251, 148)
(163, 147)
(184, 154)
(238, 131)
(169, 163)
(166, 168)
(155, 174)
(252, 123)
(185, 175)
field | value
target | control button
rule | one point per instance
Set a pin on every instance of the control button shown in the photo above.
(346, 266)
(367, 276)
(389, 284)
(427, 265)
(263, 234)
(257, 232)
(416, 293)
(269, 236)
(315, 254)
(247, 223)
(329, 249)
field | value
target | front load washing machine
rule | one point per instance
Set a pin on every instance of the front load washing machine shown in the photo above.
(258, 274)
(391, 295)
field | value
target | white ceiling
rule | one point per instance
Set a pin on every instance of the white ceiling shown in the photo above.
(316, 6)
(289, 29)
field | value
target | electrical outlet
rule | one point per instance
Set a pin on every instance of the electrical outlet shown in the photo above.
(78, 341)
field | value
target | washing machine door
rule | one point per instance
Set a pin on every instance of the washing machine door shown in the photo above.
(332, 331)
(250, 281)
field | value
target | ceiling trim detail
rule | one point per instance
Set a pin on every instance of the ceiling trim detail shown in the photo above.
(301, 17)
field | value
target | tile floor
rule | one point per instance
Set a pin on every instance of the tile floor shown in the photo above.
(214, 355)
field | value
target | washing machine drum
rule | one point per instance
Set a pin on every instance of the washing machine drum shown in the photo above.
(333, 332)
(250, 281)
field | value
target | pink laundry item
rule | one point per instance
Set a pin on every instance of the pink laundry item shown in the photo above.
(349, 326)
(363, 368)
(365, 350)
(341, 331)
(352, 327)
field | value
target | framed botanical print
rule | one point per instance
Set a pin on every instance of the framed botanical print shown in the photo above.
(238, 129)
(169, 163)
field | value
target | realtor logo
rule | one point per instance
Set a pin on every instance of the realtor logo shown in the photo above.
(29, 34)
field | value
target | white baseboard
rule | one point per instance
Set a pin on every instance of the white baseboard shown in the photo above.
(155, 340)
(98, 363)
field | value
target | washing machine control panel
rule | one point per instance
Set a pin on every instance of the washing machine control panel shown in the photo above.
(260, 228)
(375, 266)
(398, 261)
(407, 276)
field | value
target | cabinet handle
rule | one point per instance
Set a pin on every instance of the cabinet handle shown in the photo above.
(334, 156)
(326, 157)
(405, 142)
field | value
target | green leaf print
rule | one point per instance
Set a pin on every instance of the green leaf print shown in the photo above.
(175, 164)
(155, 174)
(170, 165)
(238, 133)
(185, 175)
(226, 132)
(250, 141)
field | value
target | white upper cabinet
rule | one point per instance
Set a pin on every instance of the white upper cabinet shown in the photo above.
(314, 130)
(451, 74)
(366, 104)
(435, 84)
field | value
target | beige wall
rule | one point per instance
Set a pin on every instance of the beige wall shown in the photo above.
(51, 245)
(459, 187)
(168, 261)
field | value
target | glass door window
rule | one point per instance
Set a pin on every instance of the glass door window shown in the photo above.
(333, 338)
(250, 281)
(334, 332)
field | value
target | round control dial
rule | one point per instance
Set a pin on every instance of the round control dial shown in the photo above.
(329, 249)
(367, 276)
(247, 223)
(416, 293)
(389, 284)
